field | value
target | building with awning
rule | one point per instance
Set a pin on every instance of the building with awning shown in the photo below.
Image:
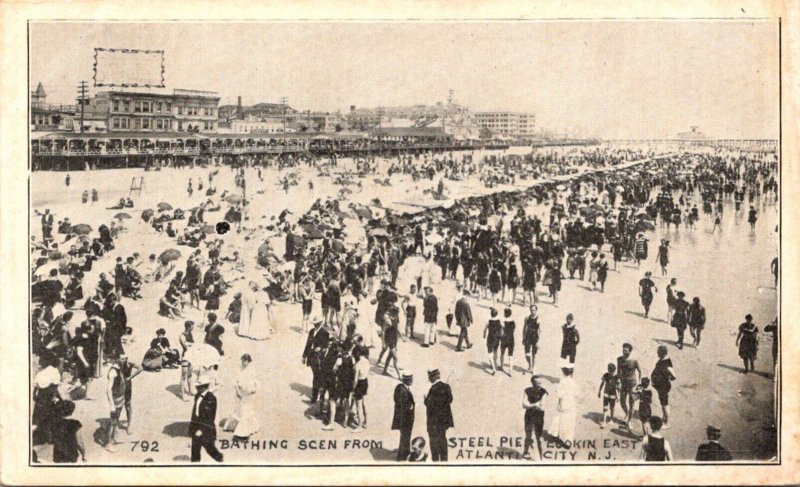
(416, 137)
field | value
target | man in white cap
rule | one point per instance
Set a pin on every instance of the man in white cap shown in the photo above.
(403, 419)
(203, 425)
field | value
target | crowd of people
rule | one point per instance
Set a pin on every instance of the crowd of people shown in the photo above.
(497, 250)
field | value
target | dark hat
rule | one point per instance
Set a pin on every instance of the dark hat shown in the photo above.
(712, 430)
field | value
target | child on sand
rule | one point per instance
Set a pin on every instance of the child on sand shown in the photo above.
(608, 387)
(645, 396)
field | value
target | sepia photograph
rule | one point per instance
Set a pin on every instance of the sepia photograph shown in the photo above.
(348, 244)
(364, 244)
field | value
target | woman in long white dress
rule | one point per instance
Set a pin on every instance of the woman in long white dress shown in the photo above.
(261, 317)
(563, 425)
(246, 388)
(256, 320)
(245, 318)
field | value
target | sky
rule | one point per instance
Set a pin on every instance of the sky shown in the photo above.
(636, 79)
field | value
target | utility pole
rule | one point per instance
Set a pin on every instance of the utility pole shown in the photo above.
(285, 103)
(82, 88)
(380, 130)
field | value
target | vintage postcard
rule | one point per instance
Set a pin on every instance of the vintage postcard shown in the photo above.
(379, 250)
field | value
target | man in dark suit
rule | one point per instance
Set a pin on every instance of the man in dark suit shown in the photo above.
(53, 290)
(440, 417)
(463, 315)
(116, 324)
(712, 451)
(403, 419)
(316, 342)
(203, 426)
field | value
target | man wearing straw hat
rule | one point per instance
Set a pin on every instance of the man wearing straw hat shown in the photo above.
(316, 342)
(203, 425)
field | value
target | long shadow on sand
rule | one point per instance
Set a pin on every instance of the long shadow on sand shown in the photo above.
(625, 433)
(548, 378)
(175, 389)
(664, 341)
(596, 418)
(635, 313)
(765, 375)
(448, 344)
(301, 389)
(383, 455)
(177, 429)
(484, 367)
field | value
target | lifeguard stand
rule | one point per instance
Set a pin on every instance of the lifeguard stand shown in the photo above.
(137, 184)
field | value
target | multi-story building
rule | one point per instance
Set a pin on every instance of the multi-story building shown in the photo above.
(38, 97)
(418, 115)
(48, 116)
(255, 112)
(181, 111)
(271, 125)
(362, 118)
(509, 124)
(327, 122)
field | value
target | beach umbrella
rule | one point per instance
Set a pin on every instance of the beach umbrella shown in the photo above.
(81, 229)
(363, 212)
(642, 214)
(122, 216)
(298, 240)
(398, 220)
(44, 270)
(234, 199)
(338, 246)
(202, 356)
(169, 255)
(164, 206)
(642, 225)
(379, 232)
(434, 239)
(147, 214)
(459, 227)
(313, 232)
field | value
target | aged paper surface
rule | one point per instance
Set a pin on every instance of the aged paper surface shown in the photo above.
(233, 167)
